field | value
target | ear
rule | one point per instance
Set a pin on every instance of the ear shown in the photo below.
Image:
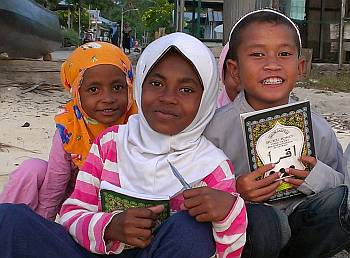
(232, 67)
(301, 67)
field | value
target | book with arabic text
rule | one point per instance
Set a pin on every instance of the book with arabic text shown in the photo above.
(115, 198)
(279, 135)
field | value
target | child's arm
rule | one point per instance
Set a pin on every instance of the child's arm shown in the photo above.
(220, 204)
(81, 214)
(53, 189)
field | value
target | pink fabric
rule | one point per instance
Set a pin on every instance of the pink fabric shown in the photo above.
(223, 98)
(39, 184)
(230, 233)
(24, 183)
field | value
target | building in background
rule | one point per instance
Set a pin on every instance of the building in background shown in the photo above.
(202, 18)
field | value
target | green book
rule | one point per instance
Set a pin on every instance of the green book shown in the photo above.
(279, 135)
(115, 198)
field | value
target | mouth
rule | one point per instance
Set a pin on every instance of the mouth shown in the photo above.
(272, 81)
(165, 114)
(108, 111)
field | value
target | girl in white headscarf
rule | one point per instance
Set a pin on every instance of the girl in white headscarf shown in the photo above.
(176, 91)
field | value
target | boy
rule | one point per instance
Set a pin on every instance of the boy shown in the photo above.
(264, 56)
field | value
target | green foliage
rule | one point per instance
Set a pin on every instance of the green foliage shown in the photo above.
(159, 15)
(70, 37)
(151, 14)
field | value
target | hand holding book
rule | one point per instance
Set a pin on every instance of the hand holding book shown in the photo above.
(133, 226)
(298, 176)
(254, 190)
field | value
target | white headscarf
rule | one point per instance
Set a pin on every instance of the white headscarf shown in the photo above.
(143, 152)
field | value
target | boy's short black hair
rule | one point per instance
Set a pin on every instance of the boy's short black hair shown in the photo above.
(260, 16)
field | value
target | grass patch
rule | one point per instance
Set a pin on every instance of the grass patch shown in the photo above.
(336, 81)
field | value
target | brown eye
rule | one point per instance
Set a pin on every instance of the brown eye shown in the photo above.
(186, 90)
(118, 87)
(257, 54)
(156, 84)
(285, 53)
(93, 89)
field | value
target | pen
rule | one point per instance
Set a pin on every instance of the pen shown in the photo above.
(179, 176)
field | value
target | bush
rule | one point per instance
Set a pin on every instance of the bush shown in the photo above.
(70, 38)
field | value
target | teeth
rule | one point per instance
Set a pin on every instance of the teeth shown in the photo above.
(107, 110)
(273, 80)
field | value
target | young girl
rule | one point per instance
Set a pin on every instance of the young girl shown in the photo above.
(99, 77)
(176, 91)
(229, 85)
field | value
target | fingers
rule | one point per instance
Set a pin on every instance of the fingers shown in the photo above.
(297, 172)
(262, 170)
(145, 213)
(193, 192)
(308, 160)
(139, 242)
(156, 209)
(295, 182)
(193, 202)
(262, 194)
(298, 177)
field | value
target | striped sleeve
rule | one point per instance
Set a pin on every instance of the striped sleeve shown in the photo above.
(230, 233)
(80, 213)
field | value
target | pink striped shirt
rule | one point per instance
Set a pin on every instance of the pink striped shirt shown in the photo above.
(82, 215)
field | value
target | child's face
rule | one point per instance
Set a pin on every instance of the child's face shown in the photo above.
(171, 95)
(104, 93)
(268, 65)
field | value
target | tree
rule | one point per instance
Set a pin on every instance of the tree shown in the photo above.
(159, 15)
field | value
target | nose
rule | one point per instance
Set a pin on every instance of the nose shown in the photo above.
(107, 97)
(272, 63)
(168, 96)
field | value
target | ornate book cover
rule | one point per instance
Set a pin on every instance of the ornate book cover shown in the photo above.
(114, 198)
(279, 135)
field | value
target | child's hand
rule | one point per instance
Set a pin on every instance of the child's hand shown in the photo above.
(255, 190)
(207, 204)
(300, 175)
(133, 226)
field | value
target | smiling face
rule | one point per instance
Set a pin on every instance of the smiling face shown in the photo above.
(104, 93)
(171, 94)
(267, 64)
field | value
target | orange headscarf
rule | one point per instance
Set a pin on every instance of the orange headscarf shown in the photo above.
(76, 128)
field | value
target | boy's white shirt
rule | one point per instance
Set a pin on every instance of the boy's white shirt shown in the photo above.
(225, 132)
(143, 153)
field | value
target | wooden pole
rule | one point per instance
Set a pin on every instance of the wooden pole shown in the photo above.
(341, 34)
(181, 15)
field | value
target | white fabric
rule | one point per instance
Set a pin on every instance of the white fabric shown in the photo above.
(143, 153)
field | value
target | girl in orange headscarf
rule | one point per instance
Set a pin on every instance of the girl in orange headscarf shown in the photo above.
(99, 77)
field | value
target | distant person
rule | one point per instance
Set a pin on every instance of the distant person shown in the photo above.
(114, 34)
(126, 37)
(99, 76)
(88, 37)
